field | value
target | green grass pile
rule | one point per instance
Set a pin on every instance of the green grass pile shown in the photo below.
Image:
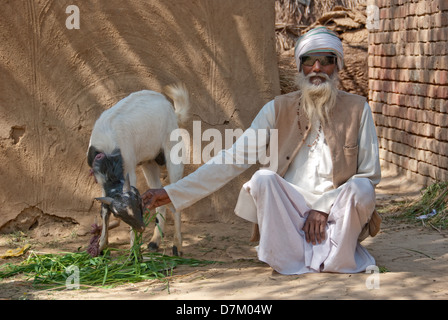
(433, 204)
(113, 267)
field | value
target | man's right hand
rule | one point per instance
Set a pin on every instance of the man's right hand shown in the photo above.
(314, 226)
(154, 198)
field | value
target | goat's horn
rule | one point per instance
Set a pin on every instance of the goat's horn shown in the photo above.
(105, 200)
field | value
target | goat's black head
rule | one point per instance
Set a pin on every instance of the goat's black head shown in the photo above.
(127, 206)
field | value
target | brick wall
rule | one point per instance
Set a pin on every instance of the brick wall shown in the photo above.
(408, 86)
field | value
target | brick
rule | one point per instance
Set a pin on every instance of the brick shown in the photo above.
(386, 13)
(410, 88)
(378, 3)
(399, 160)
(434, 159)
(376, 107)
(441, 161)
(441, 120)
(424, 144)
(424, 21)
(417, 142)
(412, 114)
(394, 111)
(420, 8)
(385, 25)
(438, 34)
(441, 134)
(418, 122)
(440, 77)
(440, 92)
(435, 106)
(414, 101)
(440, 19)
(428, 170)
(410, 75)
(443, 106)
(418, 128)
(441, 5)
(441, 148)
(423, 129)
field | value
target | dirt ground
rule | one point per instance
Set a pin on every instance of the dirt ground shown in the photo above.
(415, 259)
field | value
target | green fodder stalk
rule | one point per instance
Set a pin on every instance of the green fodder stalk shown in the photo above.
(114, 267)
(434, 197)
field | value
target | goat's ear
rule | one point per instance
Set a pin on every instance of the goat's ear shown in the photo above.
(127, 184)
(105, 200)
(91, 153)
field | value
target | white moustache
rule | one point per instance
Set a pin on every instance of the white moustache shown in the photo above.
(320, 75)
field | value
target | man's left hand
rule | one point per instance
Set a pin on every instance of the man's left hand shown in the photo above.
(314, 226)
(154, 198)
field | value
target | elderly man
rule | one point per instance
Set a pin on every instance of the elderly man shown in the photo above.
(318, 200)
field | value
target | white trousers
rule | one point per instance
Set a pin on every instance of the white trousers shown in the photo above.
(282, 212)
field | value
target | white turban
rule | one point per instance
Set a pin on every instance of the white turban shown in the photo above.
(319, 39)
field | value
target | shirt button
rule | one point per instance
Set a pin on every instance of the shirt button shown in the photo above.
(287, 158)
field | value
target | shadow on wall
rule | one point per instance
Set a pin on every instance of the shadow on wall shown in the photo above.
(56, 82)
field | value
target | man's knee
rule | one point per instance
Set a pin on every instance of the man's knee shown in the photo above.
(262, 179)
(362, 189)
(363, 193)
(263, 175)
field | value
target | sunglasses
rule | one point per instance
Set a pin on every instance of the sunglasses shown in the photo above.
(323, 60)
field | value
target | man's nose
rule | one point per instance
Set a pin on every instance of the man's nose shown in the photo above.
(316, 66)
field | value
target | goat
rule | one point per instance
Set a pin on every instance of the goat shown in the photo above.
(136, 131)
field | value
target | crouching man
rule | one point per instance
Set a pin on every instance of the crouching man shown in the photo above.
(318, 202)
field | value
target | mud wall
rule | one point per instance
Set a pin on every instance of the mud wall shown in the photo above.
(55, 82)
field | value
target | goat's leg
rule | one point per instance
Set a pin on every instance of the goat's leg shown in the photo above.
(175, 173)
(177, 243)
(151, 172)
(130, 172)
(154, 243)
(105, 215)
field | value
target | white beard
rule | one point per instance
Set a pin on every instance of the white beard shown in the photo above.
(318, 99)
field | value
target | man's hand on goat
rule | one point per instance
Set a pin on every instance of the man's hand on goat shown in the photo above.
(314, 226)
(154, 198)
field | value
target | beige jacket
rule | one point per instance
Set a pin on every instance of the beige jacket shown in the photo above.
(341, 134)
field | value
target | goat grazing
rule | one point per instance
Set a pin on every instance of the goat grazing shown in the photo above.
(136, 131)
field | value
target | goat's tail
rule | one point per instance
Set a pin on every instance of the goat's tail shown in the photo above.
(179, 94)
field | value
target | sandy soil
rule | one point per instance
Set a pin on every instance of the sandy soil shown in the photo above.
(415, 257)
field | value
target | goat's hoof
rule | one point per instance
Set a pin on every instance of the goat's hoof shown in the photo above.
(137, 257)
(176, 252)
(152, 246)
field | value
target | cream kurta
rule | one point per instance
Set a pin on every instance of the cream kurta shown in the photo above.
(310, 172)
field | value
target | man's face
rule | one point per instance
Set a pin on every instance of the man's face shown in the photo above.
(321, 65)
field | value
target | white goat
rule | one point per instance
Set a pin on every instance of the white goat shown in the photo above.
(136, 131)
